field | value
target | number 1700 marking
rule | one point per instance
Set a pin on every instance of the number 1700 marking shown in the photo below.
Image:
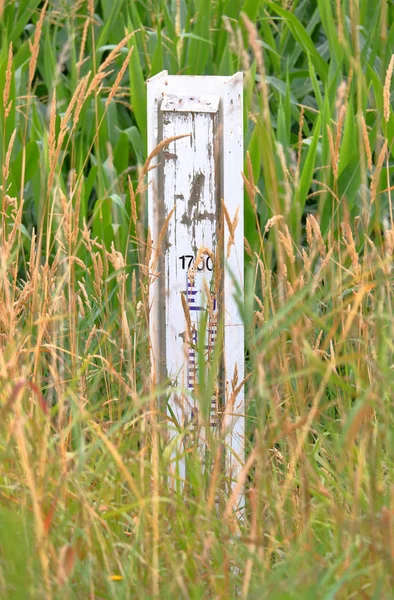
(204, 263)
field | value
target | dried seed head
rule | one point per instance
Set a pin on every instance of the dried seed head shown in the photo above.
(8, 76)
(351, 247)
(83, 45)
(113, 55)
(247, 248)
(202, 251)
(389, 242)
(155, 152)
(386, 90)
(98, 271)
(377, 172)
(232, 225)
(341, 95)
(287, 243)
(84, 293)
(119, 76)
(309, 232)
(186, 311)
(132, 201)
(313, 225)
(6, 165)
(319, 274)
(34, 47)
(271, 222)
(341, 118)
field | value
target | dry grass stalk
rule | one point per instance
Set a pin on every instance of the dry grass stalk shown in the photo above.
(272, 221)
(287, 243)
(119, 77)
(247, 248)
(299, 143)
(6, 165)
(83, 45)
(255, 43)
(326, 188)
(249, 181)
(232, 225)
(8, 77)
(367, 145)
(334, 156)
(85, 294)
(91, 9)
(67, 115)
(351, 247)
(313, 226)
(98, 271)
(389, 242)
(52, 130)
(160, 240)
(341, 107)
(81, 100)
(20, 437)
(307, 262)
(288, 193)
(34, 47)
(113, 55)
(309, 233)
(186, 312)
(386, 89)
(132, 201)
(155, 152)
(97, 81)
(377, 172)
(77, 101)
(202, 251)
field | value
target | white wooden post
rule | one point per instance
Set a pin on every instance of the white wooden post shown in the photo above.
(192, 176)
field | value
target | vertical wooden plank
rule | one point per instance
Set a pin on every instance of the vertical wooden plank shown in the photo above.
(196, 173)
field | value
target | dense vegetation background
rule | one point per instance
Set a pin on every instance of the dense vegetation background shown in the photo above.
(86, 508)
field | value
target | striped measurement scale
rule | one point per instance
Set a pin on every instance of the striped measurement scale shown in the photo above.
(197, 264)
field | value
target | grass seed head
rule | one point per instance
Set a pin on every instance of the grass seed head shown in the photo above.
(386, 89)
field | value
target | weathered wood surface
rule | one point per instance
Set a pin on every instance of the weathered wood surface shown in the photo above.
(195, 173)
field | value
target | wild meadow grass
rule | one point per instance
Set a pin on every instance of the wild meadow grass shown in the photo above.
(86, 506)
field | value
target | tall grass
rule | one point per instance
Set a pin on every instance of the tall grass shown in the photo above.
(86, 508)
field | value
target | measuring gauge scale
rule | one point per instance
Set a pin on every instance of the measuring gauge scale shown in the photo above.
(197, 271)
(191, 188)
